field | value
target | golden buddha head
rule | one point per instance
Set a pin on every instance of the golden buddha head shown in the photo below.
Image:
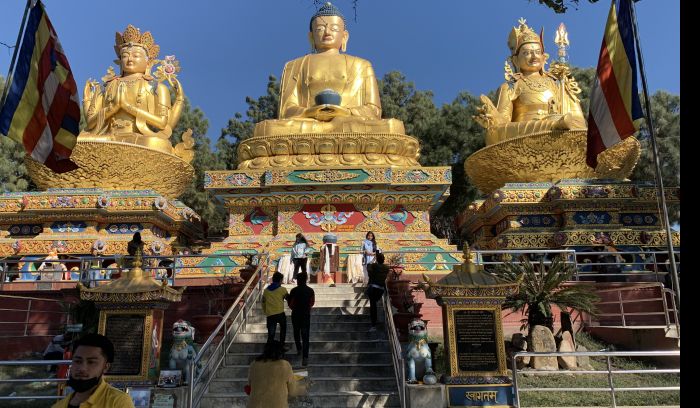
(136, 52)
(526, 48)
(327, 29)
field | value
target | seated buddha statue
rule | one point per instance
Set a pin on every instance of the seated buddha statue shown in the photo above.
(532, 100)
(134, 106)
(328, 91)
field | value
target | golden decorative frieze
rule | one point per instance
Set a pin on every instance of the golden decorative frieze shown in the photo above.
(327, 175)
(328, 149)
(280, 199)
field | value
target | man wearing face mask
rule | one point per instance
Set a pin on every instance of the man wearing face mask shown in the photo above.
(92, 356)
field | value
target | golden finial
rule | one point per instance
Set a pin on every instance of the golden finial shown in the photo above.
(132, 36)
(561, 39)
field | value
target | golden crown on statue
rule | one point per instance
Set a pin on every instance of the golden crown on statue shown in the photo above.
(522, 35)
(132, 36)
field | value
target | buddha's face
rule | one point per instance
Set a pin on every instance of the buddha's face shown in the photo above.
(328, 32)
(134, 60)
(530, 58)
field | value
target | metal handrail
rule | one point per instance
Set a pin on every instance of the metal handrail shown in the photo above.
(666, 311)
(31, 380)
(609, 371)
(65, 318)
(396, 352)
(673, 309)
(570, 256)
(199, 381)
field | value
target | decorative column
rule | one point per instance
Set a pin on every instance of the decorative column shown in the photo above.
(471, 302)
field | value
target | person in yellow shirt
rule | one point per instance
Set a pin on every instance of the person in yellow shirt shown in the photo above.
(273, 306)
(92, 356)
(271, 380)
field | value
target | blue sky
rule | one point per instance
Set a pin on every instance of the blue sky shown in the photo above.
(227, 49)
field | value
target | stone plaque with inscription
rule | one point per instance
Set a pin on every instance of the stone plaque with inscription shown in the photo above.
(475, 338)
(126, 333)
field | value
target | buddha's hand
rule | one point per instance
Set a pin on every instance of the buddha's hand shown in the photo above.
(326, 112)
(488, 116)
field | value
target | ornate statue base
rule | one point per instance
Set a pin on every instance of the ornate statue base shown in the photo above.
(76, 221)
(269, 207)
(547, 156)
(568, 214)
(471, 301)
(119, 165)
(328, 149)
(131, 316)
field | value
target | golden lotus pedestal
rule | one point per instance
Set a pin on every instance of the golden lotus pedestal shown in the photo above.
(267, 208)
(547, 157)
(575, 214)
(327, 150)
(113, 165)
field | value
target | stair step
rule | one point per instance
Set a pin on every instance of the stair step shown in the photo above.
(316, 370)
(327, 357)
(218, 385)
(261, 336)
(321, 326)
(341, 399)
(318, 346)
(319, 317)
(333, 309)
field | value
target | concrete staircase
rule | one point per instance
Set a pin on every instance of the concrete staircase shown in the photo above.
(349, 367)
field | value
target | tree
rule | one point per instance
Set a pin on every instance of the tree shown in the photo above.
(542, 286)
(448, 135)
(239, 128)
(666, 115)
(13, 173)
(560, 6)
(195, 197)
(450, 141)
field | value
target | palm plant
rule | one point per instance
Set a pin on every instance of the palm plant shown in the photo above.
(543, 286)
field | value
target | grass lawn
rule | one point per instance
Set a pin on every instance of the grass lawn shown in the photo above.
(590, 398)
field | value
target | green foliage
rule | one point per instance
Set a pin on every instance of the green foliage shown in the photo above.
(240, 128)
(542, 286)
(448, 135)
(195, 197)
(560, 6)
(13, 173)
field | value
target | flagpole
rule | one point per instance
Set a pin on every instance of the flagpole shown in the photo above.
(659, 180)
(8, 79)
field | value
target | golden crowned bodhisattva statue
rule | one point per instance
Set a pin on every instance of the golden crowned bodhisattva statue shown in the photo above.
(537, 131)
(330, 112)
(130, 118)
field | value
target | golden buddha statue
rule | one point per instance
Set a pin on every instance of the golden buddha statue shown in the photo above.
(531, 100)
(130, 118)
(536, 132)
(326, 93)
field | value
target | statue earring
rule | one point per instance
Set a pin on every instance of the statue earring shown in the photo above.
(344, 47)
